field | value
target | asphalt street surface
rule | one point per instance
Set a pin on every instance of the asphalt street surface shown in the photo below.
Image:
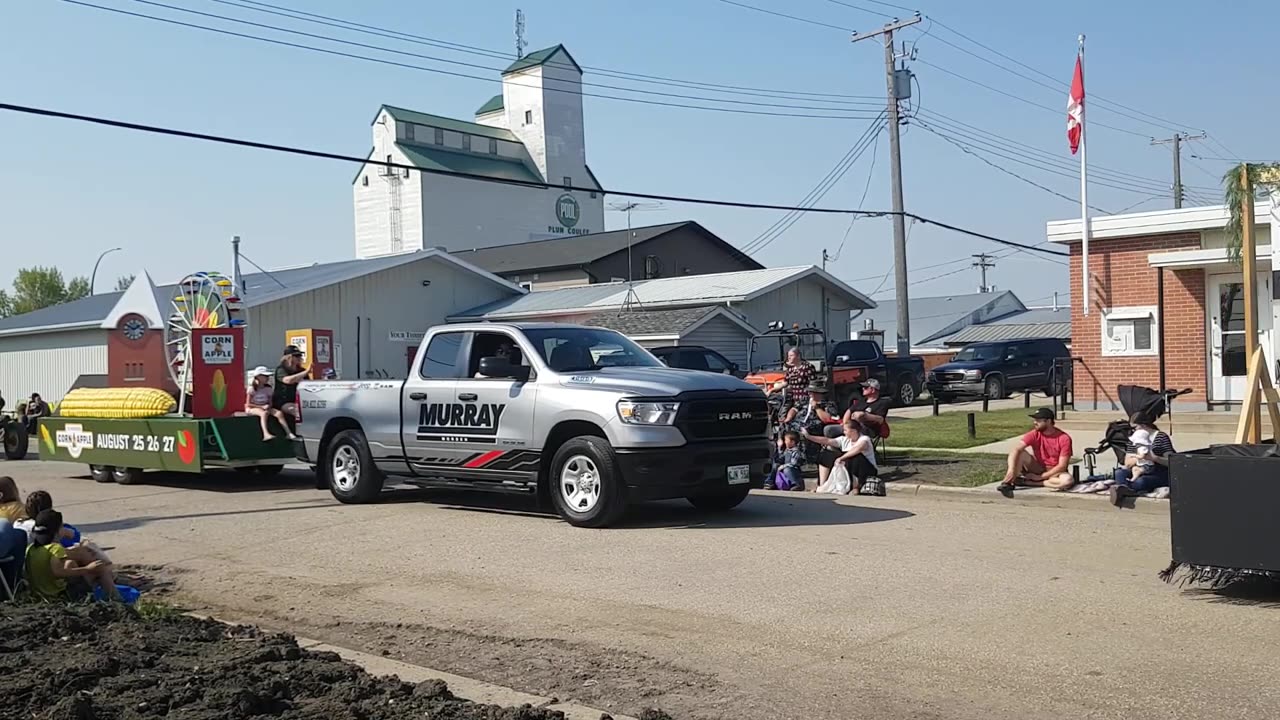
(790, 607)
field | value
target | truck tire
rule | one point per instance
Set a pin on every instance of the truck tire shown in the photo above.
(906, 391)
(15, 441)
(586, 486)
(353, 478)
(126, 476)
(102, 473)
(721, 501)
(994, 387)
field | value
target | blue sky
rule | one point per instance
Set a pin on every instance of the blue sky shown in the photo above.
(68, 191)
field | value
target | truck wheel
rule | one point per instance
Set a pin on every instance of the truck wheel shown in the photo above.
(126, 476)
(102, 473)
(349, 465)
(906, 391)
(586, 486)
(722, 500)
(994, 387)
(15, 441)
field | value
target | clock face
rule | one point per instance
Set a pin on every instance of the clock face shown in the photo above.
(133, 328)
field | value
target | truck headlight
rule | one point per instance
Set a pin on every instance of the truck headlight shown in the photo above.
(647, 413)
(973, 374)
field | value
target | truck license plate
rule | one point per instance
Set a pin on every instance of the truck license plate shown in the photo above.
(739, 474)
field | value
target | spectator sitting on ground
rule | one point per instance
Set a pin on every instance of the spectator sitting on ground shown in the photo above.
(35, 409)
(38, 501)
(1041, 457)
(1146, 468)
(788, 461)
(54, 575)
(873, 411)
(853, 449)
(11, 507)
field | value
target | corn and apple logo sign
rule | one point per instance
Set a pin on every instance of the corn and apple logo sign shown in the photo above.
(73, 439)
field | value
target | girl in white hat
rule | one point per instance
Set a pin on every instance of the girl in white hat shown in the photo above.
(258, 402)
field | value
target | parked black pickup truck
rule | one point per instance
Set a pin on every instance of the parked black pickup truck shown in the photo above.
(854, 361)
(996, 369)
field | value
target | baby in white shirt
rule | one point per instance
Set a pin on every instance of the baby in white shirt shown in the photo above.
(1141, 441)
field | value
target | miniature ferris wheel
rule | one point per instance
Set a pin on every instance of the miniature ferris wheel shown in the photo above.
(202, 300)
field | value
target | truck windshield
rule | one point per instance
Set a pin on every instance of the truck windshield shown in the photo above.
(572, 349)
(980, 352)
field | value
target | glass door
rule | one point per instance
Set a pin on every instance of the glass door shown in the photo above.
(1228, 364)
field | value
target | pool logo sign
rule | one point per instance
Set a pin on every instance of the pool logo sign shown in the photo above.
(217, 349)
(73, 439)
(567, 210)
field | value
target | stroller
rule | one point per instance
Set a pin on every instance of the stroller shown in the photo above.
(1152, 404)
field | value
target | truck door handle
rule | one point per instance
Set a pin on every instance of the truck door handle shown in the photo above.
(418, 396)
(467, 397)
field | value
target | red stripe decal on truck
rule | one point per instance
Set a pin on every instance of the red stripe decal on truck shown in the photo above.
(484, 459)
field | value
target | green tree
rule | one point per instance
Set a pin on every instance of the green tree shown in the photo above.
(40, 287)
(1262, 178)
(123, 282)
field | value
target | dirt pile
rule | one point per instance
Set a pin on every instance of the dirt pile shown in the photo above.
(104, 662)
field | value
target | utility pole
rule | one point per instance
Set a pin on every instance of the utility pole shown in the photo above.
(1176, 141)
(896, 89)
(984, 261)
(825, 258)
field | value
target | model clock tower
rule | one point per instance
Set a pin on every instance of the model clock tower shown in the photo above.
(136, 353)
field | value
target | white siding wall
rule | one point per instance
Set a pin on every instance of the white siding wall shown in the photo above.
(722, 335)
(466, 214)
(523, 92)
(390, 300)
(497, 118)
(373, 202)
(49, 363)
(563, 127)
(799, 302)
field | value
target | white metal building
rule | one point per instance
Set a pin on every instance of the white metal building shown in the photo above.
(377, 309)
(532, 132)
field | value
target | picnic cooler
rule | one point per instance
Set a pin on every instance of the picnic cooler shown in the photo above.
(1223, 502)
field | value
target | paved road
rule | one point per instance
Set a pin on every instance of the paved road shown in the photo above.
(791, 607)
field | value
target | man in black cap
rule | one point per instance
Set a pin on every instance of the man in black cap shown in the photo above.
(284, 389)
(1041, 458)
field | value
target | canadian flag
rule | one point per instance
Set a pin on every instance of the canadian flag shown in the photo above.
(1075, 108)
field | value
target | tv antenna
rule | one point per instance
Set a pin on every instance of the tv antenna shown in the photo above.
(521, 44)
(628, 207)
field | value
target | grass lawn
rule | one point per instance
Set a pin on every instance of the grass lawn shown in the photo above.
(949, 430)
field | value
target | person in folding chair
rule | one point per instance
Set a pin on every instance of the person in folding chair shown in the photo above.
(872, 412)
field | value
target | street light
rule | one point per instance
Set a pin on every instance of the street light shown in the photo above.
(93, 278)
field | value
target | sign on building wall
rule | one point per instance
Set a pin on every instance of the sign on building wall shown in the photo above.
(568, 213)
(405, 336)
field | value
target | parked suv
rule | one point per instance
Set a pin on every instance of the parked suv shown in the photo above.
(997, 369)
(696, 357)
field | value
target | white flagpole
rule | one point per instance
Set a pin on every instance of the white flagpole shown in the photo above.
(1084, 193)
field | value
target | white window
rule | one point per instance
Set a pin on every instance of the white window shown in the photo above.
(466, 142)
(568, 182)
(528, 117)
(408, 131)
(527, 285)
(364, 181)
(439, 136)
(1130, 331)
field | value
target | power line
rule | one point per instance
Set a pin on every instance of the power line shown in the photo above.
(1058, 84)
(954, 125)
(383, 61)
(44, 112)
(877, 13)
(329, 38)
(789, 17)
(331, 21)
(779, 228)
(1019, 98)
(875, 147)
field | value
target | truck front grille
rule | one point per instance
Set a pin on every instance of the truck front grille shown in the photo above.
(723, 416)
(950, 376)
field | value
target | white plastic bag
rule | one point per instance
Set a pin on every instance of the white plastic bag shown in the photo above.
(838, 482)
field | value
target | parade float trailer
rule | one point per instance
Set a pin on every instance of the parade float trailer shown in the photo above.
(176, 388)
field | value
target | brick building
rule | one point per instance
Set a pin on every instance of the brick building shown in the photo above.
(1193, 337)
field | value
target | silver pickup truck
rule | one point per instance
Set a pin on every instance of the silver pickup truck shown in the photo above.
(582, 417)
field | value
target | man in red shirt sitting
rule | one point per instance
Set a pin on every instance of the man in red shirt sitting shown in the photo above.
(1041, 457)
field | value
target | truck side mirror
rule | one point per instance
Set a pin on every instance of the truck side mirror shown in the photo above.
(500, 367)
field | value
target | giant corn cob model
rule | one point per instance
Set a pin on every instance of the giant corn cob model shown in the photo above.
(116, 403)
